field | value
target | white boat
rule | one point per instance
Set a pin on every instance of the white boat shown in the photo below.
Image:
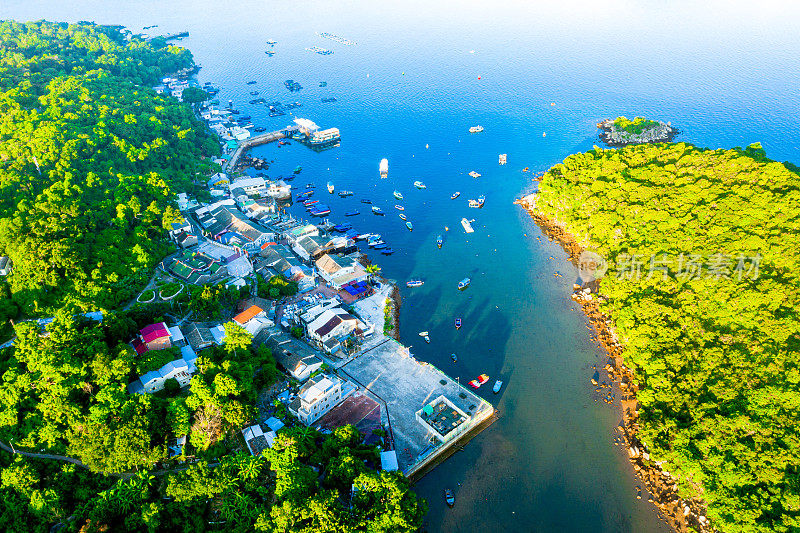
(398, 195)
(476, 129)
(497, 386)
(467, 225)
(384, 168)
(420, 185)
(475, 174)
(402, 216)
(502, 158)
(474, 203)
(423, 333)
(455, 195)
(330, 187)
(463, 284)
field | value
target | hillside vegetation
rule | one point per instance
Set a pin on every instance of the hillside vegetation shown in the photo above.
(713, 336)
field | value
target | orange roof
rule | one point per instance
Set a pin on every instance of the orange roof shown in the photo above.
(245, 316)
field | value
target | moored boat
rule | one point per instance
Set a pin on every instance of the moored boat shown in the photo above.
(481, 200)
(415, 283)
(449, 497)
(420, 185)
(458, 323)
(476, 129)
(351, 213)
(366, 201)
(330, 187)
(398, 195)
(402, 216)
(455, 195)
(475, 174)
(463, 284)
(439, 241)
(483, 378)
(384, 168)
(380, 245)
(497, 386)
(399, 207)
(377, 210)
(345, 194)
(410, 226)
(453, 357)
(387, 251)
(467, 225)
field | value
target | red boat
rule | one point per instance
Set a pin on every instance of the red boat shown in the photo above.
(458, 323)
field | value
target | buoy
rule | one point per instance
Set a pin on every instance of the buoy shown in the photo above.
(544, 134)
(552, 103)
(479, 77)
(426, 146)
(404, 73)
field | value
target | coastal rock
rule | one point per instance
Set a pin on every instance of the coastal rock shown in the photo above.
(613, 135)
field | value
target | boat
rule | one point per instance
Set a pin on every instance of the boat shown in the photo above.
(310, 203)
(420, 185)
(321, 212)
(330, 187)
(449, 497)
(271, 42)
(364, 236)
(474, 384)
(439, 241)
(497, 386)
(423, 333)
(415, 283)
(502, 158)
(297, 169)
(253, 93)
(387, 251)
(251, 82)
(474, 203)
(402, 216)
(384, 168)
(463, 284)
(476, 129)
(341, 228)
(483, 378)
(380, 245)
(526, 169)
(398, 195)
(455, 195)
(366, 201)
(481, 200)
(410, 226)
(467, 225)
(260, 128)
(310, 186)
(345, 194)
(475, 174)
(351, 234)
(458, 323)
(427, 339)
(399, 207)
(351, 213)
(377, 210)
(453, 357)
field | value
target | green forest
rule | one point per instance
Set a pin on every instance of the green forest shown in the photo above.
(90, 160)
(635, 126)
(713, 335)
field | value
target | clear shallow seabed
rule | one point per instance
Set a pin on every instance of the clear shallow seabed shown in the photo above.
(724, 74)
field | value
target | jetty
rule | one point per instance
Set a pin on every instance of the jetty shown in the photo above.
(257, 140)
(170, 36)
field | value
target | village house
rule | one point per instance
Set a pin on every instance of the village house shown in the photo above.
(220, 179)
(331, 326)
(152, 337)
(251, 186)
(316, 397)
(339, 270)
(253, 320)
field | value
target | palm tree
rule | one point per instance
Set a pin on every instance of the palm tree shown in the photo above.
(372, 269)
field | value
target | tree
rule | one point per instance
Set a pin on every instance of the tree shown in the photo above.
(194, 95)
(237, 338)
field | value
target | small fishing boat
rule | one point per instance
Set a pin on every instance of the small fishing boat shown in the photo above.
(297, 169)
(398, 195)
(474, 203)
(439, 241)
(366, 201)
(410, 226)
(330, 187)
(402, 216)
(475, 174)
(251, 82)
(526, 169)
(476, 129)
(420, 185)
(380, 245)
(376, 243)
(458, 323)
(345, 194)
(481, 200)
(453, 357)
(341, 228)
(387, 251)
(351, 213)
(399, 207)
(423, 333)
(497, 386)
(427, 339)
(467, 225)
(310, 203)
(449, 497)
(455, 195)
(415, 283)
(253, 93)
(377, 210)
(463, 284)
(260, 129)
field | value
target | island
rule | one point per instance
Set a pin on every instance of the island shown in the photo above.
(622, 131)
(697, 313)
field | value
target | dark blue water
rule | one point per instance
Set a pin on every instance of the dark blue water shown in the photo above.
(726, 75)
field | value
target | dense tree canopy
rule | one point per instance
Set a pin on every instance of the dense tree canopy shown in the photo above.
(713, 335)
(90, 160)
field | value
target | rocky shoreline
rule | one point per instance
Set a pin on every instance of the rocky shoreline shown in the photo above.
(661, 486)
(613, 136)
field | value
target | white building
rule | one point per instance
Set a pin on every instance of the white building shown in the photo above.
(339, 270)
(240, 133)
(318, 396)
(331, 325)
(250, 186)
(220, 179)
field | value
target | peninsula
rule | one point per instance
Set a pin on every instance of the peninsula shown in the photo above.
(622, 131)
(698, 314)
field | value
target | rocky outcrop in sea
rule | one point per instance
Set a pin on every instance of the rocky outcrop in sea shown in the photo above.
(614, 136)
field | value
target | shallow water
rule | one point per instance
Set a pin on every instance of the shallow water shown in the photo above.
(725, 74)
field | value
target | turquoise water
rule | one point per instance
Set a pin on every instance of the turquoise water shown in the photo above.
(724, 74)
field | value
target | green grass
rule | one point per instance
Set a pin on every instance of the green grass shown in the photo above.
(635, 126)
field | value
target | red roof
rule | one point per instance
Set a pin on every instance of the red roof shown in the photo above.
(139, 346)
(153, 332)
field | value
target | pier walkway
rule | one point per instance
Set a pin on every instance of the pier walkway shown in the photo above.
(256, 140)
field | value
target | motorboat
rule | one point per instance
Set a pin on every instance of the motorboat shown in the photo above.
(497, 386)
(351, 213)
(449, 497)
(423, 333)
(458, 323)
(439, 241)
(402, 216)
(475, 174)
(297, 170)
(474, 203)
(476, 129)
(341, 228)
(377, 210)
(330, 187)
(384, 168)
(420, 185)
(427, 339)
(376, 243)
(463, 284)
(399, 207)
(398, 195)
(526, 169)
(455, 195)
(410, 226)
(366, 201)
(309, 203)
(251, 82)
(502, 159)
(415, 283)
(476, 383)
(453, 357)
(387, 251)
(253, 93)
(380, 246)
(345, 194)
(259, 129)
(481, 200)
(467, 225)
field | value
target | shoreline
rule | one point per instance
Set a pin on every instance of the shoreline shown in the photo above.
(678, 513)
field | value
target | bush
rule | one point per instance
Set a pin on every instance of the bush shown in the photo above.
(297, 332)
(170, 289)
